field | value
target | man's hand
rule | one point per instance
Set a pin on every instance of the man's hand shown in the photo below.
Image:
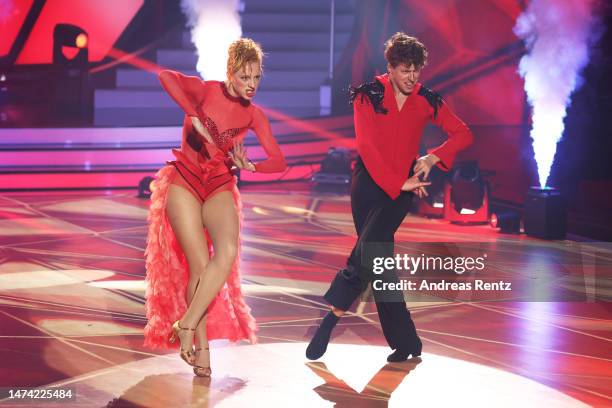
(424, 164)
(414, 184)
(239, 156)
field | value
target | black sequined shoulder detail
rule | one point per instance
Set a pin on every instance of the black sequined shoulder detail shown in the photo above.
(374, 90)
(433, 98)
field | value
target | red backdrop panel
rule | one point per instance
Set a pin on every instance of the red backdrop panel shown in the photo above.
(104, 21)
(12, 15)
(473, 57)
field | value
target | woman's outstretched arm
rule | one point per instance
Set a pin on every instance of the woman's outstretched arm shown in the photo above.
(187, 91)
(275, 161)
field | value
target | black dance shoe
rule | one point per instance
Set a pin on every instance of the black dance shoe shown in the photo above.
(402, 354)
(318, 345)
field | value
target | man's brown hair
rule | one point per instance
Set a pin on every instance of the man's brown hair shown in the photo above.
(404, 49)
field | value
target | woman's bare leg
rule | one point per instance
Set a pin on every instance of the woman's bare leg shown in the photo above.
(221, 219)
(202, 358)
(185, 215)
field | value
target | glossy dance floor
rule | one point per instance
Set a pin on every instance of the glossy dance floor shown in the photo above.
(71, 315)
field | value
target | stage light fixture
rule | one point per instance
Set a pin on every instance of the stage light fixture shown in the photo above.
(70, 46)
(466, 198)
(146, 187)
(545, 213)
(335, 169)
(73, 94)
(508, 222)
(467, 187)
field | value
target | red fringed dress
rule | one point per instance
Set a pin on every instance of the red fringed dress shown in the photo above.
(202, 168)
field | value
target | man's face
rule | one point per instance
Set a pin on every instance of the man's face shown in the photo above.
(404, 77)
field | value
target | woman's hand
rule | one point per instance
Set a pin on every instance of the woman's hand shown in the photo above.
(239, 156)
(414, 184)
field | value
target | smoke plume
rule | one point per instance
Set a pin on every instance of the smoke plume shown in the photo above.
(557, 35)
(214, 25)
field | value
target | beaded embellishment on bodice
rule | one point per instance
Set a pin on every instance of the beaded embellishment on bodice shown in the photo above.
(221, 139)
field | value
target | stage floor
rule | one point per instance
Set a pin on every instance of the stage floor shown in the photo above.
(72, 314)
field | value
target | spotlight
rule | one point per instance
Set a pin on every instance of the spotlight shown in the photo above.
(81, 40)
(466, 197)
(508, 222)
(335, 169)
(467, 187)
(70, 46)
(73, 95)
(545, 213)
(146, 187)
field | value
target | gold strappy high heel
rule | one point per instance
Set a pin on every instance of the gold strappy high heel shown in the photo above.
(202, 371)
(186, 355)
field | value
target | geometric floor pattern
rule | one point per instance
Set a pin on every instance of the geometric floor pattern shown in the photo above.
(72, 314)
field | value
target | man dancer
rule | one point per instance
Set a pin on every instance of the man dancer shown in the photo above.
(390, 115)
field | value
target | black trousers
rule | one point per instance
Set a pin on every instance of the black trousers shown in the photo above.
(376, 217)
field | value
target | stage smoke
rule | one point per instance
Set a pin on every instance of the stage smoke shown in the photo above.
(557, 35)
(214, 25)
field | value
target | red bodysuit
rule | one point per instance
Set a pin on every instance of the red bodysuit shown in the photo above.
(204, 166)
(204, 169)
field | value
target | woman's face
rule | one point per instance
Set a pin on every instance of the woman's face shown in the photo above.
(246, 80)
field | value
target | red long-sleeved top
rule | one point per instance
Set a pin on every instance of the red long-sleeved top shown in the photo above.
(389, 143)
(225, 117)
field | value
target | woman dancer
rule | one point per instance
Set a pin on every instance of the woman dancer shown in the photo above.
(195, 208)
